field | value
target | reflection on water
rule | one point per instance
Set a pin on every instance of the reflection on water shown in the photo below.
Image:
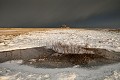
(48, 58)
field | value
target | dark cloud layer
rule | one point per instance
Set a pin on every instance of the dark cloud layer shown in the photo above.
(49, 13)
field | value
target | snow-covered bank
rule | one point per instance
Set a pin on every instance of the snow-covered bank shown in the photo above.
(95, 39)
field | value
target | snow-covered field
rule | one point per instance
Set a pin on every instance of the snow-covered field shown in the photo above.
(12, 70)
(97, 39)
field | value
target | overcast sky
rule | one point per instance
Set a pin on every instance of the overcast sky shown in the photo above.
(51, 13)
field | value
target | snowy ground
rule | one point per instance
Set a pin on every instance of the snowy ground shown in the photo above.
(97, 39)
(12, 70)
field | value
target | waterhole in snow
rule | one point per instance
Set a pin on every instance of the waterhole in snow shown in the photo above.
(42, 57)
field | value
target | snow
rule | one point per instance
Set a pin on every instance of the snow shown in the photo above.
(95, 39)
(13, 70)
(114, 76)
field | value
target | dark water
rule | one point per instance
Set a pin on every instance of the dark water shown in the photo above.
(42, 57)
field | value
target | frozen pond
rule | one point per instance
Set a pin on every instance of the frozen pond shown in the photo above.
(13, 70)
(23, 64)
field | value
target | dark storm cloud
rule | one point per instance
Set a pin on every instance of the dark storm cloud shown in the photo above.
(30, 13)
